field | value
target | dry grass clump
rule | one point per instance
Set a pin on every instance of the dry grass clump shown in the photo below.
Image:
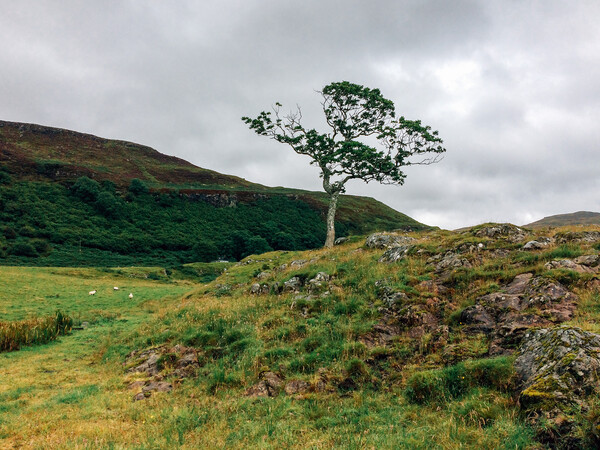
(39, 330)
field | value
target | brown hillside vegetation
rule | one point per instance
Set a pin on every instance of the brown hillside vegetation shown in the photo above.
(562, 220)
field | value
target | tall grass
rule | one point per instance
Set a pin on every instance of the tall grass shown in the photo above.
(40, 330)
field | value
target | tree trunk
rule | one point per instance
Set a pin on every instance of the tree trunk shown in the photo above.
(331, 219)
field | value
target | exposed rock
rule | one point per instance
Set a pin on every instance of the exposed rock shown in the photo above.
(526, 302)
(559, 370)
(295, 387)
(157, 386)
(538, 244)
(569, 265)
(270, 385)
(395, 254)
(451, 261)
(384, 240)
(319, 283)
(298, 263)
(505, 231)
(588, 260)
(294, 284)
(263, 275)
(578, 236)
(432, 287)
(259, 289)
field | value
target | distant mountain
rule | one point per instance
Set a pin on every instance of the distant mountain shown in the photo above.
(576, 218)
(68, 198)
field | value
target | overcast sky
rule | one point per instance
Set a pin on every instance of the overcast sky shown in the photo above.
(512, 86)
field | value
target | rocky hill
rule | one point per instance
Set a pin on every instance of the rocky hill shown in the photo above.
(70, 198)
(561, 220)
(492, 329)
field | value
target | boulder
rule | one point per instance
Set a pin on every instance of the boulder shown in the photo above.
(525, 303)
(294, 284)
(395, 254)
(558, 370)
(451, 261)
(504, 231)
(384, 240)
(578, 236)
(340, 240)
(319, 283)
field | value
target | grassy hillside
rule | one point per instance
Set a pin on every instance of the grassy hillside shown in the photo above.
(68, 198)
(562, 220)
(323, 348)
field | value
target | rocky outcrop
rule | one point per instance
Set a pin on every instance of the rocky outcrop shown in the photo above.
(589, 237)
(559, 372)
(503, 231)
(385, 240)
(526, 302)
(177, 362)
(394, 254)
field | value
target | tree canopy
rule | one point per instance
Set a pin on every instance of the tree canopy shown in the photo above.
(366, 140)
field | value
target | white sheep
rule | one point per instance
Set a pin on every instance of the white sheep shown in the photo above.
(115, 288)
(130, 295)
(92, 292)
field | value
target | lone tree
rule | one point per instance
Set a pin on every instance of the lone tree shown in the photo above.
(355, 113)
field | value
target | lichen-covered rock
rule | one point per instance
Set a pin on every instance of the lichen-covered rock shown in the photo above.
(569, 265)
(526, 302)
(384, 240)
(578, 236)
(319, 283)
(395, 254)
(505, 231)
(294, 284)
(451, 261)
(558, 369)
(297, 387)
(259, 289)
(538, 244)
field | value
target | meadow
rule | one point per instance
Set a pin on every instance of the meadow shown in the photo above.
(408, 393)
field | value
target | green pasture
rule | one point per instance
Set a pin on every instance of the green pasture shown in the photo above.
(27, 292)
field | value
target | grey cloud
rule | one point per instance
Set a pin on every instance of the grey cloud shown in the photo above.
(513, 87)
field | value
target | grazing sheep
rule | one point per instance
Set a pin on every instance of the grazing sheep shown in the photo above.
(92, 292)
(130, 295)
(115, 288)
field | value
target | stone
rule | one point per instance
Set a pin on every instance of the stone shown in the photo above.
(263, 275)
(451, 261)
(504, 316)
(534, 245)
(157, 386)
(295, 387)
(586, 260)
(270, 385)
(298, 263)
(386, 240)
(319, 283)
(578, 236)
(558, 370)
(294, 284)
(569, 265)
(394, 254)
(505, 231)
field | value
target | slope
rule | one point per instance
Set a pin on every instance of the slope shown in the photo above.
(68, 198)
(561, 220)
